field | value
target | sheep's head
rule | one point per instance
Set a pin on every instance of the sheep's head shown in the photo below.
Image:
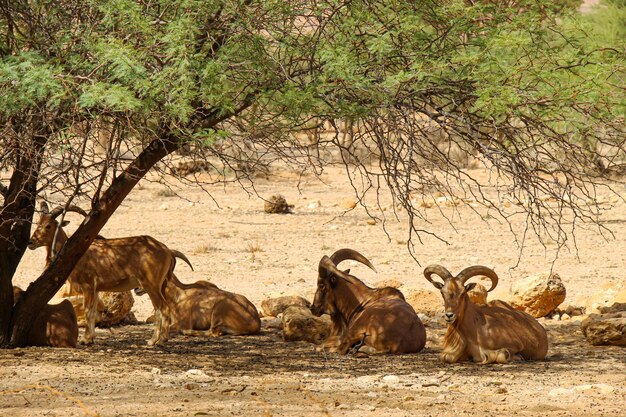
(454, 289)
(47, 225)
(325, 301)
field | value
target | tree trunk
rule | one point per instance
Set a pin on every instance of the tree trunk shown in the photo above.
(51, 280)
(15, 223)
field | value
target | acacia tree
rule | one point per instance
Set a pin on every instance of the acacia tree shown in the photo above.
(516, 84)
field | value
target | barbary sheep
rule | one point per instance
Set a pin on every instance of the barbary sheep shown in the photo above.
(495, 332)
(362, 316)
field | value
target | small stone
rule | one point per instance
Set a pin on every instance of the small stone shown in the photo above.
(314, 204)
(371, 222)
(605, 389)
(431, 383)
(195, 372)
(574, 310)
(391, 379)
(559, 392)
(368, 379)
(348, 203)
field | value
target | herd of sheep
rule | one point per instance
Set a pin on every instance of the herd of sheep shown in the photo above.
(363, 319)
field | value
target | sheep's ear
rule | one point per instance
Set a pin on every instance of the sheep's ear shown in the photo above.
(438, 285)
(469, 287)
(65, 223)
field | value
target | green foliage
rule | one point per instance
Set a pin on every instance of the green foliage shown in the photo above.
(27, 80)
(108, 97)
(176, 62)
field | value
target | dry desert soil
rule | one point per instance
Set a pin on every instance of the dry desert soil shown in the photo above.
(233, 243)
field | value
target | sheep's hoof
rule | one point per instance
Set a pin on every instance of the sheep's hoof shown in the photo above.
(86, 341)
(157, 342)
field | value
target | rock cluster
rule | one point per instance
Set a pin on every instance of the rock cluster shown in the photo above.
(113, 308)
(295, 319)
(300, 324)
(277, 305)
(608, 328)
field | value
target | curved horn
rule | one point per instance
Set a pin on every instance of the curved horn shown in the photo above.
(327, 265)
(438, 270)
(345, 254)
(472, 271)
(58, 210)
(182, 256)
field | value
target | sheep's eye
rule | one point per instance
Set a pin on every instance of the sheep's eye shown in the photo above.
(47, 227)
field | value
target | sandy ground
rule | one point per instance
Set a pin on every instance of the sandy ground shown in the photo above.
(233, 243)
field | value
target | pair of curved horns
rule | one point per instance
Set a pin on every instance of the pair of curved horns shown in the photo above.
(463, 276)
(58, 210)
(330, 263)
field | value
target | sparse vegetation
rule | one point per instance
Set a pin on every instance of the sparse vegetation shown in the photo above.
(205, 249)
(166, 192)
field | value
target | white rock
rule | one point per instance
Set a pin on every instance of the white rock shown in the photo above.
(314, 205)
(368, 378)
(195, 372)
(559, 392)
(391, 379)
(602, 388)
(155, 371)
(605, 389)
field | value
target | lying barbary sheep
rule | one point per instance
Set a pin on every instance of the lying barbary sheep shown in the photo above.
(54, 326)
(495, 332)
(202, 309)
(377, 318)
